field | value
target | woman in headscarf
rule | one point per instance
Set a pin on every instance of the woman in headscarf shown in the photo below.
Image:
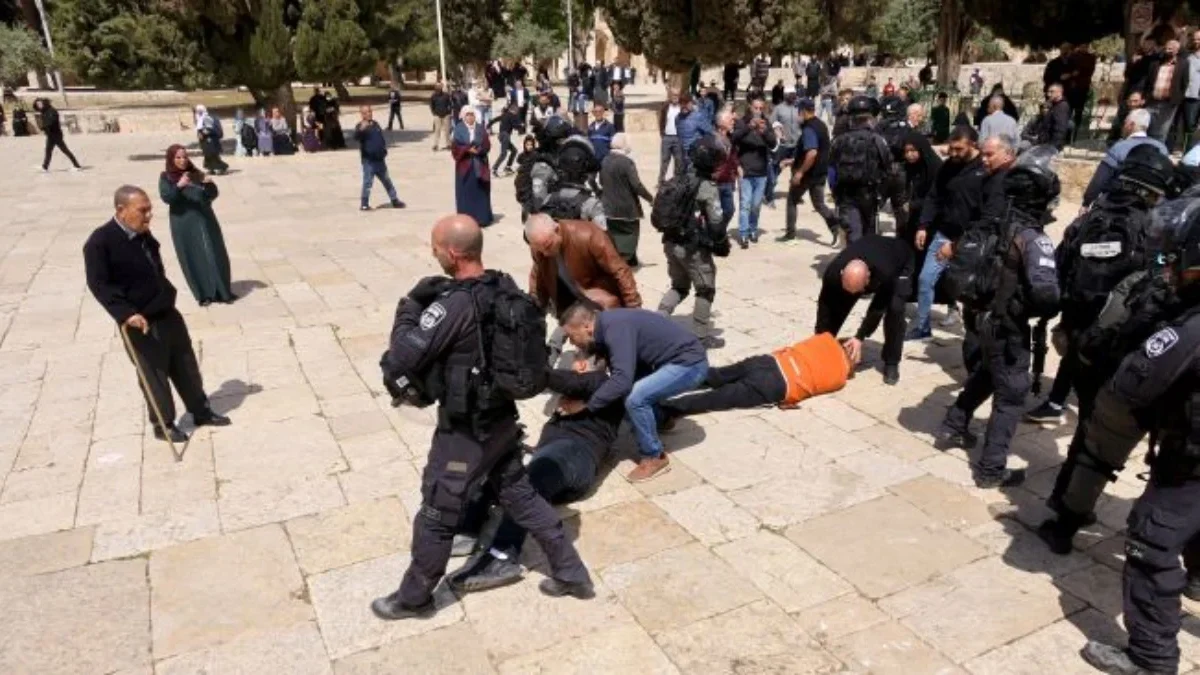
(262, 126)
(281, 133)
(311, 138)
(195, 231)
(208, 131)
(921, 164)
(239, 122)
(621, 189)
(334, 138)
(472, 177)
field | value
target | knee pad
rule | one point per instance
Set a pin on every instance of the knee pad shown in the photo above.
(707, 293)
(683, 291)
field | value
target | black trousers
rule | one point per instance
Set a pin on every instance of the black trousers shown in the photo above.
(507, 149)
(816, 194)
(394, 114)
(749, 383)
(1087, 383)
(1064, 379)
(1163, 524)
(858, 212)
(458, 465)
(166, 357)
(56, 141)
(1002, 371)
(894, 191)
(834, 305)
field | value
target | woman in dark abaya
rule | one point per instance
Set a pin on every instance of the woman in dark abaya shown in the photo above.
(472, 176)
(199, 245)
(921, 163)
(334, 138)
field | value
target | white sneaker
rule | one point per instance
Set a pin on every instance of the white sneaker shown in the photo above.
(76, 169)
(43, 169)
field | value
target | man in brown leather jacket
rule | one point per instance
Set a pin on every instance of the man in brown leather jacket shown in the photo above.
(575, 261)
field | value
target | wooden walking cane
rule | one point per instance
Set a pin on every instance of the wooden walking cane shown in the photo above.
(162, 423)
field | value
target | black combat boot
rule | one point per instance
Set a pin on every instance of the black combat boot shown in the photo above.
(483, 572)
(390, 608)
(556, 589)
(1111, 660)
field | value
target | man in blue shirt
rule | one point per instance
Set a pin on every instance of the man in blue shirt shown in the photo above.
(601, 131)
(1134, 130)
(650, 358)
(692, 125)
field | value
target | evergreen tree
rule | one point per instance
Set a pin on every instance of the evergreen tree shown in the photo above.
(20, 52)
(330, 45)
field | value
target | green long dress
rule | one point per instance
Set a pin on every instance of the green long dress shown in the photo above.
(199, 244)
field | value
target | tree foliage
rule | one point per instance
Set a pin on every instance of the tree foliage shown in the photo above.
(674, 34)
(470, 27)
(330, 45)
(907, 27)
(524, 38)
(20, 52)
(1041, 25)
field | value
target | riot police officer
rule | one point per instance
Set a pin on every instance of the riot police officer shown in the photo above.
(893, 127)
(436, 339)
(1026, 287)
(574, 196)
(537, 177)
(1157, 389)
(861, 162)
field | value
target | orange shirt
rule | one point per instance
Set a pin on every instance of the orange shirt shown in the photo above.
(812, 367)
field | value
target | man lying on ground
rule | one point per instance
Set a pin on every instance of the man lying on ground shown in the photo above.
(565, 463)
(819, 365)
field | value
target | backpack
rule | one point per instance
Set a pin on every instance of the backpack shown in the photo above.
(855, 157)
(1131, 313)
(523, 183)
(893, 131)
(249, 137)
(1108, 245)
(562, 206)
(975, 273)
(674, 210)
(512, 339)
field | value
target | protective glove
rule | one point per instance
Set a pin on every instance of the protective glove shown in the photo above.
(428, 289)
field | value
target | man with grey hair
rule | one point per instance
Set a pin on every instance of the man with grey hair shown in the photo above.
(1135, 133)
(622, 190)
(997, 122)
(916, 117)
(125, 274)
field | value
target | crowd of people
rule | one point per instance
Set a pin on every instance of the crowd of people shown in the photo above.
(969, 232)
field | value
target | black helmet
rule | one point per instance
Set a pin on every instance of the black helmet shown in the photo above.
(892, 106)
(577, 159)
(1175, 231)
(706, 156)
(553, 131)
(1147, 167)
(862, 105)
(1031, 185)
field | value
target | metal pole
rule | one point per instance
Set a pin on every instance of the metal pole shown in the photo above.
(570, 38)
(441, 39)
(50, 47)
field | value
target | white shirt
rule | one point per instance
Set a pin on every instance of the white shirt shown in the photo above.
(520, 96)
(672, 113)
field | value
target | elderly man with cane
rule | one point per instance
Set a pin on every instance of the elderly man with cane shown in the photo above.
(125, 273)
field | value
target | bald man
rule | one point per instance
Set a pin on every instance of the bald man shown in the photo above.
(125, 274)
(436, 342)
(873, 264)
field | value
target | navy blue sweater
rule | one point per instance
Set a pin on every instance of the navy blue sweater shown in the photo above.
(638, 342)
(371, 143)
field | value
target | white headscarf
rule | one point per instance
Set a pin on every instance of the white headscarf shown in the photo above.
(462, 115)
(201, 113)
(620, 143)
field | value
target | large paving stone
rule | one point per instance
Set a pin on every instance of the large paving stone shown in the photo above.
(342, 600)
(37, 516)
(296, 650)
(891, 649)
(845, 615)
(43, 553)
(626, 532)
(615, 651)
(276, 451)
(350, 534)
(92, 619)
(519, 619)
(245, 504)
(1053, 649)
(223, 588)
(758, 637)
(187, 522)
(708, 514)
(788, 575)
(849, 543)
(949, 504)
(751, 454)
(453, 650)
(677, 587)
(779, 502)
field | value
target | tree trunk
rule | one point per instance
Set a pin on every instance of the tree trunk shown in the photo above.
(285, 98)
(261, 98)
(953, 30)
(395, 73)
(343, 93)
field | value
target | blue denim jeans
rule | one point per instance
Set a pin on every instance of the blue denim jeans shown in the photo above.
(372, 169)
(725, 191)
(752, 189)
(641, 406)
(926, 284)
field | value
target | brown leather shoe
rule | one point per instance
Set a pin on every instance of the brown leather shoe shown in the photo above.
(650, 468)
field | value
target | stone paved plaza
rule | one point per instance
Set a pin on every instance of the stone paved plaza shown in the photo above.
(832, 538)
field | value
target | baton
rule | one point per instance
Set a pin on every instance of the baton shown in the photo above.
(137, 365)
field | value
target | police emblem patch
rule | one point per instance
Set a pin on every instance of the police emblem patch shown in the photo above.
(1161, 342)
(1046, 245)
(432, 316)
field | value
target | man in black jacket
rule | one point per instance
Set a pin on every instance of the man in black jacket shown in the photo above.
(52, 128)
(563, 469)
(810, 171)
(125, 274)
(1166, 84)
(372, 147)
(1056, 125)
(441, 107)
